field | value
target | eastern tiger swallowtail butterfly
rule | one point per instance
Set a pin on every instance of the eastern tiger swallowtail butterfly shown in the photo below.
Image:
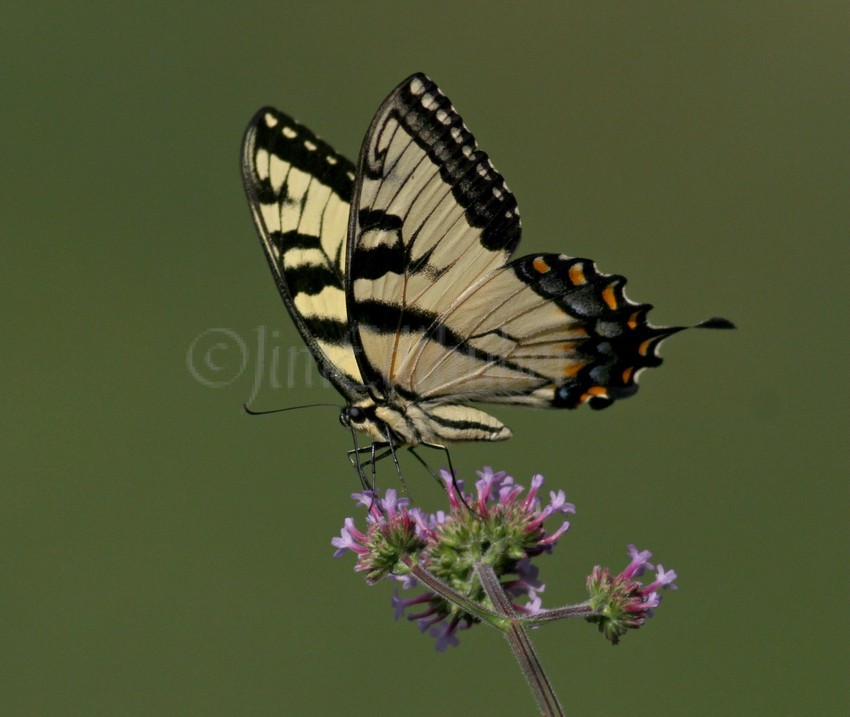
(398, 272)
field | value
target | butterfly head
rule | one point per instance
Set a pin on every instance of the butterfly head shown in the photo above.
(363, 416)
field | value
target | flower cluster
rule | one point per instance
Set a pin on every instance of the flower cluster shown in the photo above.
(393, 532)
(622, 603)
(501, 526)
(495, 533)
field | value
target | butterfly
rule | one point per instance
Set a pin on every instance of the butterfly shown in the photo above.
(399, 274)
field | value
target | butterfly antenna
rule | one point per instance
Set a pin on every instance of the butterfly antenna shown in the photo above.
(252, 412)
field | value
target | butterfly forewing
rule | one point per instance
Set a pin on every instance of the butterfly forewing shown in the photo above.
(431, 216)
(300, 191)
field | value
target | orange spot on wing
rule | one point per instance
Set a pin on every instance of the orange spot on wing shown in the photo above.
(608, 296)
(540, 265)
(576, 274)
(571, 369)
(627, 374)
(644, 347)
(633, 320)
(593, 391)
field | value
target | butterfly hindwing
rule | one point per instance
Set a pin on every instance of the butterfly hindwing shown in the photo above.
(561, 334)
(299, 190)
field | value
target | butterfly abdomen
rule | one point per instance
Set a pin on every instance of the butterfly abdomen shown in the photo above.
(447, 423)
(403, 422)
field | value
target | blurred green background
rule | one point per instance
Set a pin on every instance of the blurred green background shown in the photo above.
(164, 554)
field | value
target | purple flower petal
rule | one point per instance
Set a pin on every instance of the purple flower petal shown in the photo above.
(665, 578)
(559, 502)
(553, 538)
(349, 539)
(536, 482)
(640, 562)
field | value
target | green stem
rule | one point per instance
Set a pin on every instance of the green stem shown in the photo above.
(510, 623)
(517, 637)
(582, 610)
(433, 583)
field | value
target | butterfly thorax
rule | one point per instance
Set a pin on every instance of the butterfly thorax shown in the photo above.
(412, 423)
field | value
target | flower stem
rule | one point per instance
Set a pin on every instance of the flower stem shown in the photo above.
(505, 618)
(517, 637)
(582, 610)
(440, 588)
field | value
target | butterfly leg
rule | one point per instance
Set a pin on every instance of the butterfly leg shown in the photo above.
(354, 458)
(445, 450)
(391, 446)
(374, 457)
(412, 450)
(451, 469)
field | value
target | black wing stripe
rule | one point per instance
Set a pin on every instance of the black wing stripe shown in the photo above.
(379, 317)
(310, 279)
(294, 239)
(331, 331)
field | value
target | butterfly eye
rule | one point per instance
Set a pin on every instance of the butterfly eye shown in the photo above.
(355, 415)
